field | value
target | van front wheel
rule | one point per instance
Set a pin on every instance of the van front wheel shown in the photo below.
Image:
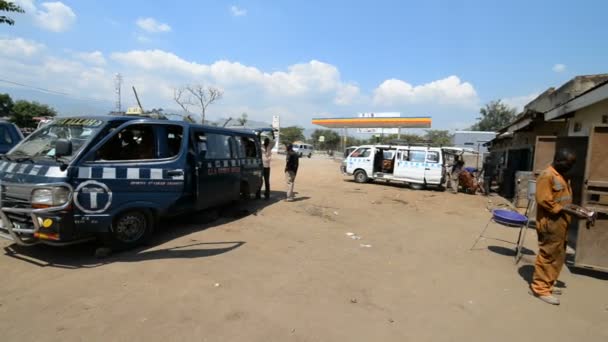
(130, 229)
(361, 176)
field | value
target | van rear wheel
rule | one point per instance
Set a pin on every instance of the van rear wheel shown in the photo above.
(361, 176)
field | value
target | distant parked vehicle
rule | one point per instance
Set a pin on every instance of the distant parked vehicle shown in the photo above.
(303, 150)
(419, 166)
(10, 135)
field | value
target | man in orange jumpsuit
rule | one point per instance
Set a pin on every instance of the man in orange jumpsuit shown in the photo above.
(553, 215)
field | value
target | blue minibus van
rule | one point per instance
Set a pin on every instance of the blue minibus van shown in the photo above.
(113, 177)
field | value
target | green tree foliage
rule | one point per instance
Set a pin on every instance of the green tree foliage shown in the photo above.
(438, 137)
(8, 6)
(291, 134)
(24, 112)
(352, 141)
(494, 116)
(332, 139)
(6, 105)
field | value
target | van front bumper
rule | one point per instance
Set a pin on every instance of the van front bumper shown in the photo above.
(30, 226)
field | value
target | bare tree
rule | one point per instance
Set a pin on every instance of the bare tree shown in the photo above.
(243, 119)
(198, 96)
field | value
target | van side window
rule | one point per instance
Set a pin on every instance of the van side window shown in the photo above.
(200, 140)
(218, 146)
(432, 157)
(362, 152)
(5, 136)
(405, 156)
(238, 150)
(135, 142)
(250, 150)
(417, 156)
(174, 141)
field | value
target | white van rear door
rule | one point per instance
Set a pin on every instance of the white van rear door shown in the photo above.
(433, 168)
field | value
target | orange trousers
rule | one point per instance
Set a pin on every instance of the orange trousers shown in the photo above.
(552, 239)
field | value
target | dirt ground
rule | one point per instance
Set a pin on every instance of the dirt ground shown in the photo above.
(278, 271)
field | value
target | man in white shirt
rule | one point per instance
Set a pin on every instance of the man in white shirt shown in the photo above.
(266, 158)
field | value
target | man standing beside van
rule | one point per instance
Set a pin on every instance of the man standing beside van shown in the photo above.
(291, 169)
(266, 158)
(457, 166)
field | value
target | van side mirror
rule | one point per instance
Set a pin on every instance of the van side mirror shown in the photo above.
(63, 147)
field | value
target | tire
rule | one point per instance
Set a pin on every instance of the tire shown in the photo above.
(130, 229)
(417, 186)
(361, 176)
(245, 193)
(309, 155)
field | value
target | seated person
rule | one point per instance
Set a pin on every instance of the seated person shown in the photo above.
(468, 182)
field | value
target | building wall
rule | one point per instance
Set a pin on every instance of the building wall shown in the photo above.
(472, 139)
(527, 139)
(596, 114)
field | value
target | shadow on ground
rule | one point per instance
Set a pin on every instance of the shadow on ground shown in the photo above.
(527, 271)
(83, 255)
(510, 251)
(396, 184)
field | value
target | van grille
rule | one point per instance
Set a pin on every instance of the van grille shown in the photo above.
(17, 197)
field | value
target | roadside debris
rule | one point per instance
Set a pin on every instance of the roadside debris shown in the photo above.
(353, 236)
(365, 246)
(217, 285)
(390, 320)
(353, 300)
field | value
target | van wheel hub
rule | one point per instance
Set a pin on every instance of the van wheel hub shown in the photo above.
(130, 227)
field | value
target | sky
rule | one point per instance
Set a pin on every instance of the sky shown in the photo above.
(303, 59)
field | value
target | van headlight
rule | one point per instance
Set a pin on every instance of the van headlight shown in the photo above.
(50, 197)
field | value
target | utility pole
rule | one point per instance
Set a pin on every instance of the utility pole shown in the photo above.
(118, 85)
(137, 98)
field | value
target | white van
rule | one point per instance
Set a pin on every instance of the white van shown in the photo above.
(418, 166)
(303, 150)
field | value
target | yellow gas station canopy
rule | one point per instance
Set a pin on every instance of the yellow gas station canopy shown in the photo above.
(376, 122)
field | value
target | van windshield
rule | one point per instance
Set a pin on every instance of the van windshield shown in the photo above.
(41, 144)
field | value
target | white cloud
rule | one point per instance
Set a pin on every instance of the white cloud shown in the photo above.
(237, 11)
(296, 93)
(142, 38)
(94, 57)
(27, 5)
(305, 80)
(447, 91)
(347, 94)
(559, 67)
(152, 26)
(56, 16)
(52, 16)
(520, 101)
(19, 47)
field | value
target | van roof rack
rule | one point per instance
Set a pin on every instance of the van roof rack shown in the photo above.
(406, 143)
